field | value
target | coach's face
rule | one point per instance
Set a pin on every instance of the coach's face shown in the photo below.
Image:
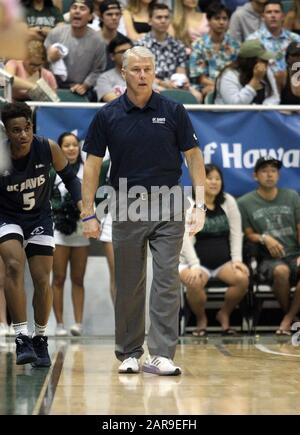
(139, 75)
(20, 134)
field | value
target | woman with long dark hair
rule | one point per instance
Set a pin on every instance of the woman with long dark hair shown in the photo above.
(289, 84)
(249, 79)
(71, 247)
(216, 251)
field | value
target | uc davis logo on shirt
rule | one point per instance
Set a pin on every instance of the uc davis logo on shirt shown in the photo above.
(158, 120)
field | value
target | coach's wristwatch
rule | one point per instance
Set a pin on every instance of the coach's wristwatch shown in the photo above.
(262, 239)
(201, 206)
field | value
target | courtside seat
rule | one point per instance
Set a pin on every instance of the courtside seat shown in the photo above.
(266, 313)
(209, 98)
(216, 290)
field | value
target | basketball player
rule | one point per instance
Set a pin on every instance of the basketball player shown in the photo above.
(26, 226)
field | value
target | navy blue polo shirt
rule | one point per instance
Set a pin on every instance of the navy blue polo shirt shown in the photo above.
(144, 144)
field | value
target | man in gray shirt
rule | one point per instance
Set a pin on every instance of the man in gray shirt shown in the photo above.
(111, 84)
(86, 57)
(246, 19)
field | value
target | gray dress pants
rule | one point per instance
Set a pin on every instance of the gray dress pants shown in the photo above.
(130, 249)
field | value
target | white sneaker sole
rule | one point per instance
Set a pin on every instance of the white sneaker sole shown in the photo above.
(147, 368)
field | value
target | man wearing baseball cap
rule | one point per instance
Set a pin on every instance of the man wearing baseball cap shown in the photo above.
(249, 79)
(110, 15)
(254, 48)
(271, 218)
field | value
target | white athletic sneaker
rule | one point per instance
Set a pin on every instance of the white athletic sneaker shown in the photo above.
(76, 329)
(159, 365)
(130, 365)
(60, 330)
(3, 330)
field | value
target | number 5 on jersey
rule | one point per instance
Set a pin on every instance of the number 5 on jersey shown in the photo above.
(28, 201)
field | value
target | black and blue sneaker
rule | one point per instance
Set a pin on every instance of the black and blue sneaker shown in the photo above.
(40, 346)
(24, 349)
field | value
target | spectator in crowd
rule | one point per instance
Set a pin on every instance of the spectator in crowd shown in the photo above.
(188, 22)
(71, 247)
(290, 85)
(292, 18)
(217, 253)
(249, 79)
(136, 18)
(110, 14)
(271, 218)
(170, 55)
(29, 70)
(246, 19)
(95, 23)
(111, 84)
(86, 57)
(273, 35)
(214, 50)
(41, 16)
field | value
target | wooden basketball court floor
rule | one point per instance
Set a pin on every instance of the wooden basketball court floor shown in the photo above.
(241, 375)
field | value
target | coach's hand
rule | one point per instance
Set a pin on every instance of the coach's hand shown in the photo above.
(195, 221)
(91, 228)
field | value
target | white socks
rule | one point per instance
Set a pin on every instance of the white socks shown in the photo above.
(39, 329)
(20, 328)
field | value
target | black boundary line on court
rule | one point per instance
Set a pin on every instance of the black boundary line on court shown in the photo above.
(52, 384)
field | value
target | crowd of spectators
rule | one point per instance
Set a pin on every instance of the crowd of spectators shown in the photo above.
(234, 52)
(202, 41)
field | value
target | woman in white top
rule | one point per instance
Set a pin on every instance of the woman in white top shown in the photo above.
(70, 244)
(216, 251)
(249, 79)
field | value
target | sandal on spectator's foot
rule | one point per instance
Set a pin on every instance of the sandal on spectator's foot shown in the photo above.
(201, 332)
(229, 332)
(283, 332)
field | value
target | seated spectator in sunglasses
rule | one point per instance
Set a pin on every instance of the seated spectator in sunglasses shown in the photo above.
(111, 84)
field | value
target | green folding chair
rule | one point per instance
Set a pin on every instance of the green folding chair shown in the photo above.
(179, 95)
(67, 96)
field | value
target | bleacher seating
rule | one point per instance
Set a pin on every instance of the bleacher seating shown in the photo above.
(66, 95)
(209, 98)
(180, 95)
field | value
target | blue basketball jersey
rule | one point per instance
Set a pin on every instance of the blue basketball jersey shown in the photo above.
(26, 193)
